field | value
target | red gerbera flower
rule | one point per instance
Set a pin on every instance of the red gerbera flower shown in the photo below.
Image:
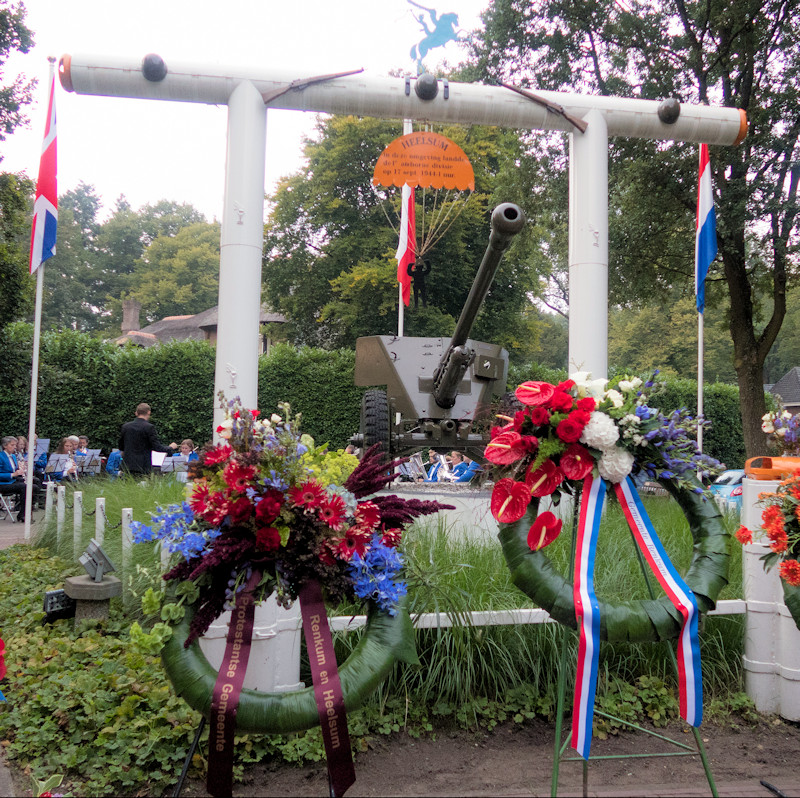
(576, 462)
(310, 494)
(779, 540)
(545, 479)
(391, 537)
(789, 571)
(354, 541)
(332, 510)
(534, 393)
(326, 552)
(238, 477)
(368, 515)
(268, 539)
(544, 530)
(744, 535)
(509, 501)
(505, 448)
(216, 508)
(219, 454)
(198, 501)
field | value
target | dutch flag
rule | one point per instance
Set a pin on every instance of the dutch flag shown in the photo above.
(407, 246)
(705, 249)
(45, 208)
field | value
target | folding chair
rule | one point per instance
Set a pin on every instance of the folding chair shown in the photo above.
(7, 505)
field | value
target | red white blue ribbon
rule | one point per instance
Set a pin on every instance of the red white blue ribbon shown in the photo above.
(587, 609)
(690, 679)
(587, 613)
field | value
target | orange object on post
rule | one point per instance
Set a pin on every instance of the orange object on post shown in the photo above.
(771, 467)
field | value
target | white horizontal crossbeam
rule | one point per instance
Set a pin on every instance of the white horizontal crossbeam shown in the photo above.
(366, 95)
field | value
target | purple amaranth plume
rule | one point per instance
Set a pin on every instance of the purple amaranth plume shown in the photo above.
(397, 512)
(372, 473)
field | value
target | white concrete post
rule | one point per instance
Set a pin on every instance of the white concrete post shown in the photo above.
(100, 520)
(588, 247)
(127, 544)
(77, 523)
(48, 502)
(241, 244)
(61, 510)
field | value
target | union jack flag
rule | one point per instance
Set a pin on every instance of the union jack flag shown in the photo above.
(45, 208)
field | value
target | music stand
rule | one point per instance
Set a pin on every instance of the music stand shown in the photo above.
(56, 464)
(157, 459)
(42, 447)
(89, 463)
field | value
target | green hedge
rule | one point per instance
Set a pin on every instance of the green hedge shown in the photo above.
(92, 387)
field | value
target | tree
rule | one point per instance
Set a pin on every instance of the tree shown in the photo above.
(329, 255)
(744, 55)
(16, 286)
(179, 274)
(14, 35)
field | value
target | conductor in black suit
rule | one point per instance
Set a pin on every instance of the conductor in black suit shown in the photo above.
(137, 439)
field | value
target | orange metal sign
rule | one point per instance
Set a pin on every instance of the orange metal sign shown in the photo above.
(423, 159)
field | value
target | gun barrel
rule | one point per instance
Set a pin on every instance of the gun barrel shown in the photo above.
(507, 220)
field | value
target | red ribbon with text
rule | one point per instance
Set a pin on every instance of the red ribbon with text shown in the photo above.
(227, 690)
(327, 688)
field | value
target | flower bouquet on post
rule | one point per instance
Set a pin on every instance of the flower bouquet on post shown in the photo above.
(780, 522)
(268, 512)
(585, 438)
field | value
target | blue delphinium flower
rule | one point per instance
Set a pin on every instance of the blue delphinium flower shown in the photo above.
(374, 575)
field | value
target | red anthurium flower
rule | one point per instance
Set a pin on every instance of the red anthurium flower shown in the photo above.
(240, 510)
(368, 515)
(332, 511)
(534, 393)
(561, 401)
(544, 530)
(545, 479)
(391, 537)
(505, 448)
(310, 494)
(238, 477)
(565, 386)
(219, 454)
(569, 430)
(268, 539)
(510, 500)
(576, 462)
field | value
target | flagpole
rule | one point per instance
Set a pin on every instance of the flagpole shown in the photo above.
(37, 327)
(700, 358)
(408, 127)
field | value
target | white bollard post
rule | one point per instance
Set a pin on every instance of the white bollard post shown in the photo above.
(61, 510)
(77, 524)
(100, 520)
(771, 656)
(48, 502)
(127, 544)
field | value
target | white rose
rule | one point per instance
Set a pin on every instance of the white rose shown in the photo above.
(275, 418)
(786, 414)
(766, 417)
(587, 386)
(636, 383)
(625, 386)
(615, 464)
(615, 397)
(781, 432)
(767, 427)
(601, 432)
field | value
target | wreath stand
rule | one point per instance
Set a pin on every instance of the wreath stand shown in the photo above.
(560, 747)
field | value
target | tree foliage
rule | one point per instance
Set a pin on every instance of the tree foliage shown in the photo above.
(742, 55)
(16, 286)
(331, 238)
(14, 35)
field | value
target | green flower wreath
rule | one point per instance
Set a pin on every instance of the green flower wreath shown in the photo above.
(385, 639)
(629, 621)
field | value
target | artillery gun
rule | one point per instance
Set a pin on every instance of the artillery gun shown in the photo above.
(434, 388)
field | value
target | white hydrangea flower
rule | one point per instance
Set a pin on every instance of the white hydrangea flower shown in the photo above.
(586, 386)
(630, 419)
(615, 464)
(601, 432)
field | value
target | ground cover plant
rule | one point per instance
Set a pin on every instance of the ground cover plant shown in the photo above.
(94, 702)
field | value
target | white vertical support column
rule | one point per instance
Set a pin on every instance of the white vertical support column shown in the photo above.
(127, 544)
(77, 524)
(588, 247)
(100, 520)
(61, 511)
(241, 244)
(164, 556)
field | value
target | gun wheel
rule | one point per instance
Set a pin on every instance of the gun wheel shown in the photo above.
(375, 419)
